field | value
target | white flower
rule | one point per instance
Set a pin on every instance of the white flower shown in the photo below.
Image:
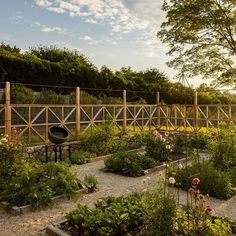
(145, 172)
(167, 134)
(163, 139)
(172, 180)
(180, 166)
(168, 147)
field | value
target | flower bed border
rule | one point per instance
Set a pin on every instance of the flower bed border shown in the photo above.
(18, 210)
(99, 158)
(54, 230)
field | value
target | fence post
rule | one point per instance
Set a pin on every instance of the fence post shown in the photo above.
(8, 109)
(124, 110)
(158, 109)
(195, 107)
(77, 101)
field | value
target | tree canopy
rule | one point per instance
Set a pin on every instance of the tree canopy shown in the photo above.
(202, 36)
(62, 68)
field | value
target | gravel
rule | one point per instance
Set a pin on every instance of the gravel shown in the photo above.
(34, 223)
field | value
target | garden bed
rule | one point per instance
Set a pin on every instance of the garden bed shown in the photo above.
(17, 210)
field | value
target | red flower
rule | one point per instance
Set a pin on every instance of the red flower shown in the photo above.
(196, 181)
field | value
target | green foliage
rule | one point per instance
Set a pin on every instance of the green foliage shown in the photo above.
(201, 33)
(223, 148)
(128, 163)
(50, 97)
(112, 216)
(81, 157)
(159, 211)
(213, 182)
(85, 98)
(158, 148)
(22, 95)
(100, 141)
(24, 181)
(90, 182)
(199, 141)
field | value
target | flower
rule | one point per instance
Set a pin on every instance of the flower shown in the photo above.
(146, 172)
(196, 181)
(168, 147)
(209, 209)
(167, 134)
(180, 166)
(202, 197)
(172, 180)
(191, 190)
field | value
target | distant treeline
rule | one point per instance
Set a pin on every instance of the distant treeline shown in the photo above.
(61, 67)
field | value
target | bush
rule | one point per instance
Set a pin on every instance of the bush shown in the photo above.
(215, 183)
(90, 182)
(158, 148)
(159, 212)
(100, 141)
(22, 95)
(81, 157)
(223, 148)
(112, 216)
(25, 181)
(50, 97)
(129, 163)
(199, 141)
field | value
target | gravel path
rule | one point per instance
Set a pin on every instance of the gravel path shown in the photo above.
(34, 223)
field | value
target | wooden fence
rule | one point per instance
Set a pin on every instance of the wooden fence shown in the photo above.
(33, 120)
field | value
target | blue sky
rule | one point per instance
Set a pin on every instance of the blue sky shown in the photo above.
(114, 33)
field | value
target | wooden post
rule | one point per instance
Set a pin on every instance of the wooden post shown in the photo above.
(195, 107)
(124, 110)
(77, 97)
(8, 109)
(158, 109)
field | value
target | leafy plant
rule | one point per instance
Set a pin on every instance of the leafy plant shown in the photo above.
(90, 182)
(215, 183)
(112, 216)
(223, 148)
(159, 211)
(81, 157)
(158, 147)
(196, 218)
(24, 180)
(128, 163)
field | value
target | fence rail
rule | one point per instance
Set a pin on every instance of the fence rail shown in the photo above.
(32, 121)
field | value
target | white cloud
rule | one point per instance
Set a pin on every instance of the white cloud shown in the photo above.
(123, 17)
(86, 38)
(53, 29)
(47, 29)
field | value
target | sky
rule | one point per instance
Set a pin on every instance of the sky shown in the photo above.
(115, 33)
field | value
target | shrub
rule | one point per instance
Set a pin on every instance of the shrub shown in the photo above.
(90, 182)
(158, 148)
(112, 216)
(199, 141)
(179, 143)
(196, 218)
(21, 94)
(80, 157)
(50, 97)
(129, 163)
(26, 181)
(159, 211)
(223, 148)
(215, 183)
(100, 141)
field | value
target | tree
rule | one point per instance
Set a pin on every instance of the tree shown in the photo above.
(202, 36)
